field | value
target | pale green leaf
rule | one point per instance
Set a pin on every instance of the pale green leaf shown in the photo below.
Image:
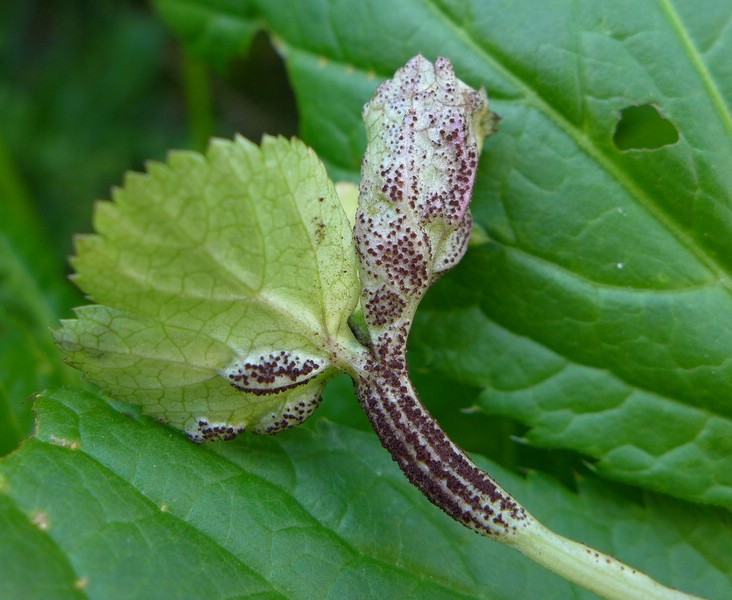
(216, 274)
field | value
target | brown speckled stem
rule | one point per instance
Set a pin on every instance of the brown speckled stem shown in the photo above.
(427, 456)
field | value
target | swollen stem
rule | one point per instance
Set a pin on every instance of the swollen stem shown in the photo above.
(430, 460)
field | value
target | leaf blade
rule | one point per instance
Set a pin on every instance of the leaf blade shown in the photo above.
(275, 506)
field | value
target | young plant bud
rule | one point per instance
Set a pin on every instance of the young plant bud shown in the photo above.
(425, 131)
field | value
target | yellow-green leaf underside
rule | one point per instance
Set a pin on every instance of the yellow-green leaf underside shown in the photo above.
(233, 268)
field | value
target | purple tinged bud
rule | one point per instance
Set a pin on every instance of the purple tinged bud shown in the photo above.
(425, 131)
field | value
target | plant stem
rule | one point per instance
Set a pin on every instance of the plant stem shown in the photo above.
(452, 482)
(602, 574)
(430, 460)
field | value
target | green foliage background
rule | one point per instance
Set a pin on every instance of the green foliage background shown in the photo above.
(594, 324)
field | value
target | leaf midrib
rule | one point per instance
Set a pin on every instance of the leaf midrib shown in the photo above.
(695, 57)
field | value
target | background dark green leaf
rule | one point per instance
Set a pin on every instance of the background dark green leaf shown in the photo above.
(122, 507)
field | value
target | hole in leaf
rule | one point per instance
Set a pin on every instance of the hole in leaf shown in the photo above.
(643, 128)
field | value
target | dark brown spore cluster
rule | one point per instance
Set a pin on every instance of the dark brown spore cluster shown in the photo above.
(296, 409)
(293, 413)
(273, 373)
(210, 432)
(384, 306)
(394, 254)
(429, 155)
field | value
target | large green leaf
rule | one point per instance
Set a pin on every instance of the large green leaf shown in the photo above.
(118, 507)
(216, 29)
(606, 286)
